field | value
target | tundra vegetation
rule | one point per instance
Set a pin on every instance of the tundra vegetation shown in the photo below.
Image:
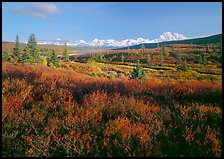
(165, 101)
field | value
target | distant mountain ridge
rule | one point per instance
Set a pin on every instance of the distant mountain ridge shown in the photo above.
(167, 36)
(202, 40)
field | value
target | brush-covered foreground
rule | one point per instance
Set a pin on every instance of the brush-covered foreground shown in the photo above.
(64, 112)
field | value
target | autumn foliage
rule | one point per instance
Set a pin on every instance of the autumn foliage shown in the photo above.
(58, 112)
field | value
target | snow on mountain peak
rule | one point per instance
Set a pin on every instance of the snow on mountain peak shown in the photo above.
(167, 36)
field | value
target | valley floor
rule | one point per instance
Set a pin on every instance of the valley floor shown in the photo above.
(82, 110)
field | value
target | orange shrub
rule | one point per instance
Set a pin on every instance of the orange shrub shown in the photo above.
(49, 112)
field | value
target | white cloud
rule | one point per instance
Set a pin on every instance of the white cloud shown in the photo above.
(40, 10)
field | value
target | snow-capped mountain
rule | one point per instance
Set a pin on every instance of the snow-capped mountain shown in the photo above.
(167, 36)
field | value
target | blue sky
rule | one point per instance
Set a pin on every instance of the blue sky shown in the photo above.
(109, 20)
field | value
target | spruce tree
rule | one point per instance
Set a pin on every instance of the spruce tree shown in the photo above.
(32, 49)
(214, 50)
(6, 56)
(191, 46)
(179, 59)
(32, 44)
(207, 49)
(204, 60)
(65, 53)
(138, 73)
(149, 60)
(26, 56)
(143, 47)
(55, 60)
(122, 58)
(17, 51)
(99, 57)
(161, 58)
(200, 60)
(52, 59)
(184, 67)
(172, 48)
(107, 54)
(163, 50)
(17, 41)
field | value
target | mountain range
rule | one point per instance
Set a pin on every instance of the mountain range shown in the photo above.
(167, 36)
(201, 40)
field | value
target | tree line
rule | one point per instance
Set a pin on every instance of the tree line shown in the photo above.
(31, 54)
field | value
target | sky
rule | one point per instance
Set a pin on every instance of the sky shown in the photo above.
(109, 20)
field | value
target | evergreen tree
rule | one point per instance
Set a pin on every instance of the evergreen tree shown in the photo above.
(214, 49)
(195, 48)
(107, 54)
(172, 48)
(17, 42)
(6, 56)
(161, 58)
(122, 58)
(143, 48)
(56, 61)
(163, 50)
(184, 67)
(16, 51)
(53, 60)
(37, 57)
(179, 59)
(65, 53)
(191, 46)
(200, 60)
(138, 73)
(49, 63)
(207, 49)
(113, 58)
(99, 57)
(149, 60)
(32, 44)
(32, 49)
(26, 56)
(204, 60)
